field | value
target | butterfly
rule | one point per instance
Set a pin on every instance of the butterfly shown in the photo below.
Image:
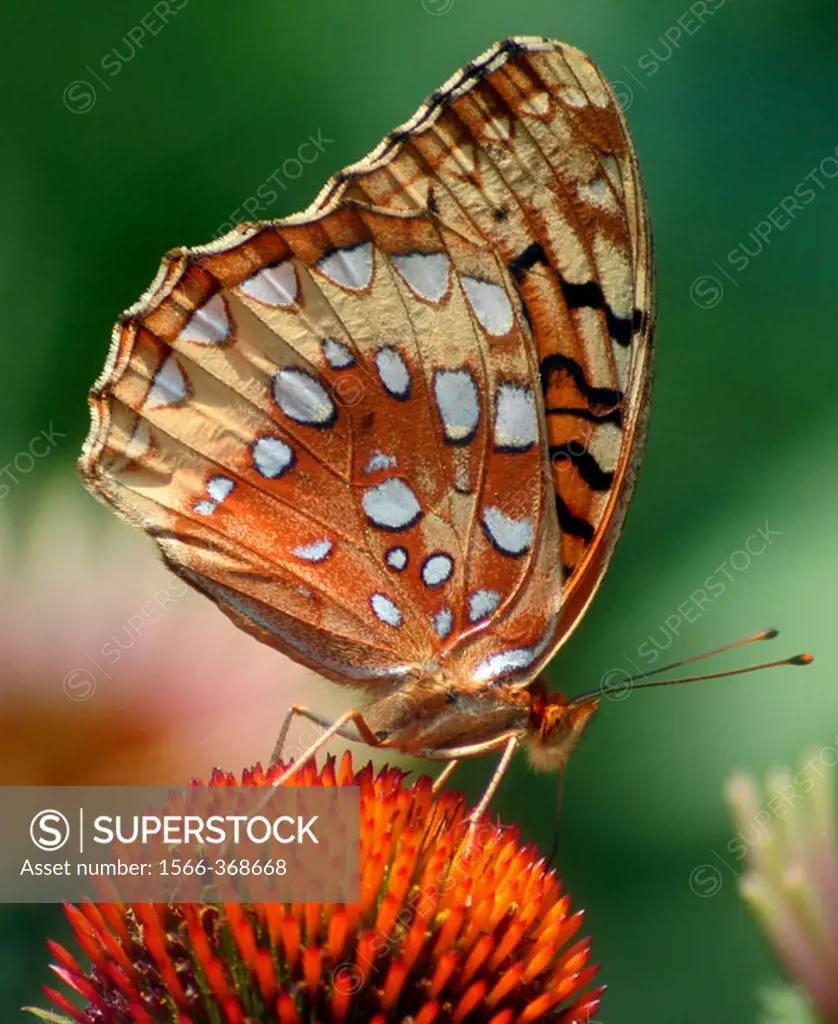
(395, 436)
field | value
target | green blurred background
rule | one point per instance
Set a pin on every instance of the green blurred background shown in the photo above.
(733, 106)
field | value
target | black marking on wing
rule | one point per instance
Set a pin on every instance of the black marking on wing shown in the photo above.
(570, 523)
(614, 416)
(578, 296)
(590, 294)
(587, 466)
(526, 260)
(461, 441)
(513, 449)
(604, 398)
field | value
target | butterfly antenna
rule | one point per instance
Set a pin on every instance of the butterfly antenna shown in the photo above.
(765, 634)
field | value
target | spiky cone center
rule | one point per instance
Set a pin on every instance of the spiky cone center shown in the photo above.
(446, 931)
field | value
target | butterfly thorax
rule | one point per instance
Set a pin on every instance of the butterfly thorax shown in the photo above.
(435, 715)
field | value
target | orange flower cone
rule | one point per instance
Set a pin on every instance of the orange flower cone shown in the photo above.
(445, 932)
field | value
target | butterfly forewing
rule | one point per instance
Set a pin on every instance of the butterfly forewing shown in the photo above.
(401, 428)
(528, 147)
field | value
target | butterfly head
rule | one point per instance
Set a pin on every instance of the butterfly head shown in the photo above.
(556, 726)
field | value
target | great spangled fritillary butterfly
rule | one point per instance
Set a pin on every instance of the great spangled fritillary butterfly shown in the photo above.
(395, 436)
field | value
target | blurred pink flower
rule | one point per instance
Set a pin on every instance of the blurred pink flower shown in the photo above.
(792, 878)
(113, 671)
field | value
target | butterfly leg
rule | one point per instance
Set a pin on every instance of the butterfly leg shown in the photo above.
(301, 711)
(279, 746)
(444, 775)
(330, 729)
(492, 788)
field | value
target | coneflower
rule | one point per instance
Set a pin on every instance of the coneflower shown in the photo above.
(446, 931)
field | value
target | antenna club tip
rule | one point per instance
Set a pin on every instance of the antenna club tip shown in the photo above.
(768, 634)
(802, 659)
